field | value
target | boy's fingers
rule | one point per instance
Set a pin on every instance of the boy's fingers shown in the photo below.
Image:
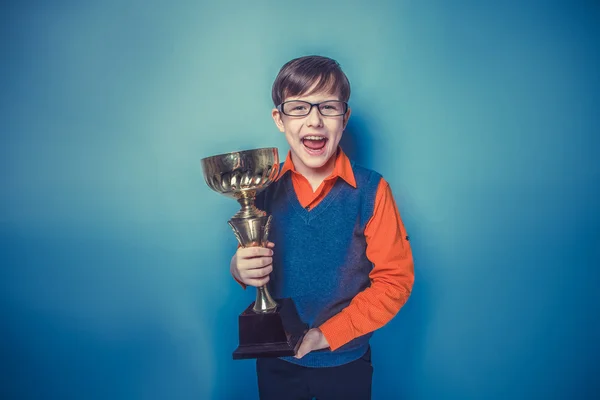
(304, 348)
(270, 245)
(258, 273)
(313, 340)
(256, 263)
(250, 252)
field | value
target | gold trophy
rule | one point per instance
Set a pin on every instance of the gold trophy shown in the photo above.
(267, 328)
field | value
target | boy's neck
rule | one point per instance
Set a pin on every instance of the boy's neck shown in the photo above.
(316, 176)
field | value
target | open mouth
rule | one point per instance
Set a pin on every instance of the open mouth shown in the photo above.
(314, 144)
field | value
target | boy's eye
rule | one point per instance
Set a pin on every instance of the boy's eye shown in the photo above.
(331, 107)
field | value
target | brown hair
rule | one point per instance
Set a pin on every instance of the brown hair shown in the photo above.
(299, 75)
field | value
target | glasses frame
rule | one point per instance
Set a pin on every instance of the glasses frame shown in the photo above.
(280, 108)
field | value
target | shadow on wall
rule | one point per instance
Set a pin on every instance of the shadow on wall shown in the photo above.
(399, 347)
(357, 140)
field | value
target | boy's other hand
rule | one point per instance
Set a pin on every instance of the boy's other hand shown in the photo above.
(252, 265)
(313, 340)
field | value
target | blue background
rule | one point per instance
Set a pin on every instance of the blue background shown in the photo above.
(483, 116)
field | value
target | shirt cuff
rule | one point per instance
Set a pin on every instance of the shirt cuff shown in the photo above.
(337, 330)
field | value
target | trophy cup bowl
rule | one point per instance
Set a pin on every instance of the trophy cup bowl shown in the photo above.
(267, 328)
(242, 172)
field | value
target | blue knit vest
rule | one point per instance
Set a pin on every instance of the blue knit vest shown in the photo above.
(319, 258)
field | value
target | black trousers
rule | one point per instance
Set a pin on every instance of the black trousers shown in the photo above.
(281, 380)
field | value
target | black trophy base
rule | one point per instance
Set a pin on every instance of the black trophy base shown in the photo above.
(275, 334)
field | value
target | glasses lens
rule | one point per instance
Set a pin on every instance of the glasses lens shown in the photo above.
(332, 108)
(301, 108)
(296, 108)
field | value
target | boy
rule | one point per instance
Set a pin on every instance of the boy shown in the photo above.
(342, 252)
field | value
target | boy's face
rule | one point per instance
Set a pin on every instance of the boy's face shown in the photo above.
(313, 138)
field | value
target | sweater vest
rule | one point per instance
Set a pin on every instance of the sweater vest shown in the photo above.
(319, 258)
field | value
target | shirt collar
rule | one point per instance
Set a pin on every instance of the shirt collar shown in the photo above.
(342, 168)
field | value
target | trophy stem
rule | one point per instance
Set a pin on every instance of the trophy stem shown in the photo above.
(248, 210)
(264, 302)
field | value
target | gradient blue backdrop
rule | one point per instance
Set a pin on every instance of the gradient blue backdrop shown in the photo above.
(483, 116)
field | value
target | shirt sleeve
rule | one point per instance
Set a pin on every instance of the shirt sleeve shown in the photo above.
(392, 276)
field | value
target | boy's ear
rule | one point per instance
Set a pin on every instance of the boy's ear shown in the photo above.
(347, 117)
(277, 118)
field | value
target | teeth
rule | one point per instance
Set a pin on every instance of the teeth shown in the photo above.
(314, 138)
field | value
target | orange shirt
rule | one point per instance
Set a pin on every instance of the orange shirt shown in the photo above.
(388, 249)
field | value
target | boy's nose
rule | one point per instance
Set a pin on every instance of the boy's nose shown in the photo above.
(314, 117)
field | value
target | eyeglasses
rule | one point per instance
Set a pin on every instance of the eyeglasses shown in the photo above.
(299, 108)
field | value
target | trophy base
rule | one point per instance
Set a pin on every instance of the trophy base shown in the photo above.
(275, 334)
